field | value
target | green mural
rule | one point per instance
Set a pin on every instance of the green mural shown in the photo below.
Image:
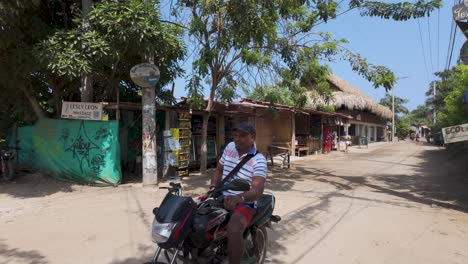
(85, 152)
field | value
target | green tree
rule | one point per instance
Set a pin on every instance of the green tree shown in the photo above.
(24, 24)
(442, 89)
(399, 104)
(234, 35)
(44, 52)
(121, 34)
(454, 112)
(402, 127)
(420, 116)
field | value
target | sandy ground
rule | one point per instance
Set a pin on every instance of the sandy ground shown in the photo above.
(391, 203)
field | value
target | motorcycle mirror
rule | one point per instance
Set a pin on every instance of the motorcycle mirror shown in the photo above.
(155, 211)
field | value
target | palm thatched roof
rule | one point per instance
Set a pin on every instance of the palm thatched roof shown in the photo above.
(348, 96)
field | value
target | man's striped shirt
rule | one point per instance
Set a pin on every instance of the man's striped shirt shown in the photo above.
(256, 166)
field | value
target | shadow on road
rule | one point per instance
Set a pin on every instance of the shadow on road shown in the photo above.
(31, 185)
(15, 255)
(437, 178)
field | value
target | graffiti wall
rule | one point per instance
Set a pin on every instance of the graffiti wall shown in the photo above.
(85, 152)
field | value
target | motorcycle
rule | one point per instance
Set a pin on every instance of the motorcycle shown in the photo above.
(7, 159)
(196, 232)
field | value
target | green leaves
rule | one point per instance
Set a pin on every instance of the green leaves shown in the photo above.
(396, 11)
(378, 75)
(120, 35)
(71, 53)
(399, 104)
(454, 112)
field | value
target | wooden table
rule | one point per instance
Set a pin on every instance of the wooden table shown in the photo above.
(300, 148)
(280, 151)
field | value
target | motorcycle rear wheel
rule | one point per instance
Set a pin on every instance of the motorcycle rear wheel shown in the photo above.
(262, 242)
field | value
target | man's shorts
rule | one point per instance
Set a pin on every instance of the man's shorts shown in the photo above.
(247, 210)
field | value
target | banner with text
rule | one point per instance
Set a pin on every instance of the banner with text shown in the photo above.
(83, 111)
(455, 133)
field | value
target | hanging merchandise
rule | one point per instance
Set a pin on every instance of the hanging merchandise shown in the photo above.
(171, 144)
(182, 136)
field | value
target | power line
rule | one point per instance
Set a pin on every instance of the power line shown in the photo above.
(430, 42)
(452, 44)
(423, 51)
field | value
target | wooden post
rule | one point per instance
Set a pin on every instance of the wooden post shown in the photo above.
(220, 132)
(117, 113)
(339, 137)
(167, 119)
(321, 133)
(293, 134)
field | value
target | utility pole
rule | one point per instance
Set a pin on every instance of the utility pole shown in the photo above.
(393, 108)
(146, 75)
(393, 114)
(150, 164)
(434, 89)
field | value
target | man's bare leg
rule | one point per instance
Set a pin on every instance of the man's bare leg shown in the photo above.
(236, 228)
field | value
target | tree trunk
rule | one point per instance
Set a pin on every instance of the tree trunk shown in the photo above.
(203, 151)
(57, 98)
(206, 117)
(33, 102)
(86, 88)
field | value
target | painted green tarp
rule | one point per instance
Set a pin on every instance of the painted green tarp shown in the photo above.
(81, 151)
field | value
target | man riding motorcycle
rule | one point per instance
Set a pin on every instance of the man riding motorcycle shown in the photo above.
(242, 204)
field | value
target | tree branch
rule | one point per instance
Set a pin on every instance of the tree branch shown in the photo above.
(173, 23)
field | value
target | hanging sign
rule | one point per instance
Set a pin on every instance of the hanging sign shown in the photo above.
(460, 12)
(81, 110)
(145, 75)
(455, 133)
(464, 53)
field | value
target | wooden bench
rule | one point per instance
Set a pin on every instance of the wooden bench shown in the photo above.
(300, 148)
(280, 151)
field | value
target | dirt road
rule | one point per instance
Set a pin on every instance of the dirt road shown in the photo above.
(399, 203)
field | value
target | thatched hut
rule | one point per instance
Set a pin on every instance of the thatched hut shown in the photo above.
(369, 118)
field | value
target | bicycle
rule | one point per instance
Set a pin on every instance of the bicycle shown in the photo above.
(8, 157)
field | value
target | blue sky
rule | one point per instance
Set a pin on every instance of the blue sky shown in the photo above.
(396, 45)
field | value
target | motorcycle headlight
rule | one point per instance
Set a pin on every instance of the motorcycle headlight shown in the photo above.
(161, 232)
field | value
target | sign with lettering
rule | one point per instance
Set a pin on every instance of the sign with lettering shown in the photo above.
(84, 111)
(455, 133)
(460, 12)
(145, 75)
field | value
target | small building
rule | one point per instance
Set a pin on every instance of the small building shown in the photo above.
(369, 119)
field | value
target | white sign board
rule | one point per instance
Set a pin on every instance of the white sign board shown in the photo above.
(460, 12)
(145, 75)
(85, 111)
(455, 133)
